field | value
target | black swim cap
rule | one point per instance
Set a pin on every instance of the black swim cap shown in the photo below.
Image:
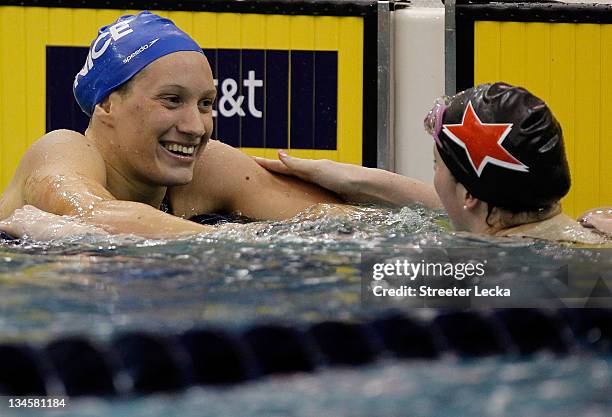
(505, 146)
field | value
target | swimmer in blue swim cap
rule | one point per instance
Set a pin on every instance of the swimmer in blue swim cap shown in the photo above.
(149, 91)
(499, 161)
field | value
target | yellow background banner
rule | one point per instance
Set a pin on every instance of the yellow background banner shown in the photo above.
(568, 65)
(25, 32)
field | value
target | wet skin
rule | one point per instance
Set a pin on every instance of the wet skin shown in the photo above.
(116, 176)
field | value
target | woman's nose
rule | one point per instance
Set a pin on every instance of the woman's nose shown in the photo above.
(192, 122)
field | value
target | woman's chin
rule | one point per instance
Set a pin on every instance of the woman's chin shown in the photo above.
(175, 178)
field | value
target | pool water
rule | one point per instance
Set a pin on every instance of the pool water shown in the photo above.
(540, 386)
(296, 272)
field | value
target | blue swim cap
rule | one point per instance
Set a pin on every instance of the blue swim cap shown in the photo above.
(121, 50)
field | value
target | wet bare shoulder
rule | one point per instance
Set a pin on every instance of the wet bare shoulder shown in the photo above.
(63, 171)
(63, 151)
(560, 228)
(212, 174)
(56, 154)
(227, 180)
(58, 142)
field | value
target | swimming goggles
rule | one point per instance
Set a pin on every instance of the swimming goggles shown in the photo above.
(433, 120)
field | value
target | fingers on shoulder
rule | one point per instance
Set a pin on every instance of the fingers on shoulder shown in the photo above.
(308, 169)
(273, 165)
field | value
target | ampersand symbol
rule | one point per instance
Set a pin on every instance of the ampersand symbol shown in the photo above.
(229, 88)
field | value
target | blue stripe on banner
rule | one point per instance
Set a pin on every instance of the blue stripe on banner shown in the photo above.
(277, 99)
(258, 110)
(253, 62)
(62, 110)
(211, 55)
(302, 100)
(228, 93)
(326, 100)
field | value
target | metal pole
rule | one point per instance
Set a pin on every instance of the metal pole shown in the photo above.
(450, 47)
(385, 142)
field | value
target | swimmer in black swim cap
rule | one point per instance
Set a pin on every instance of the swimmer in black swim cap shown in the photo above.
(500, 167)
(505, 147)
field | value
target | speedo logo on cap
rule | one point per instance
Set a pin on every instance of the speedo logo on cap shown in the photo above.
(116, 32)
(139, 50)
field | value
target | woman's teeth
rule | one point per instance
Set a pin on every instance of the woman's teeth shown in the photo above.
(173, 147)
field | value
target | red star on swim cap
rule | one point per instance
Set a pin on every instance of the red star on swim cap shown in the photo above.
(482, 142)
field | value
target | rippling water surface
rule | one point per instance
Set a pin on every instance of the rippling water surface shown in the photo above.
(297, 270)
(301, 270)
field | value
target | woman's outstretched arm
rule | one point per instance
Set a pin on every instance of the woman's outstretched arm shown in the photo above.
(355, 183)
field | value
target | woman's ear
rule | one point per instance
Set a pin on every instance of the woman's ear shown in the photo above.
(102, 110)
(470, 201)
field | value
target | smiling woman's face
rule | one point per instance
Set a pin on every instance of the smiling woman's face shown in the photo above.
(162, 123)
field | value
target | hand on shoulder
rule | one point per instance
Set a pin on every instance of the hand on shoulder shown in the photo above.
(334, 176)
(225, 179)
(354, 183)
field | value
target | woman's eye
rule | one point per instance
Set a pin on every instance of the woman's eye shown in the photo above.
(207, 102)
(172, 99)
